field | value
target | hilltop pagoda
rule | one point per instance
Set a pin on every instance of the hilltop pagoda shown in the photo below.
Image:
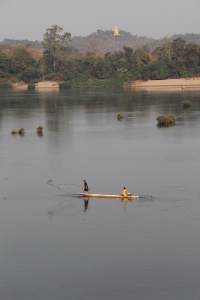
(116, 31)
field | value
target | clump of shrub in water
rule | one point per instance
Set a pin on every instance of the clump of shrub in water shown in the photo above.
(120, 116)
(13, 132)
(39, 130)
(166, 121)
(187, 104)
(21, 131)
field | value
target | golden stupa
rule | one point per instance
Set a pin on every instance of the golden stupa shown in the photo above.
(116, 31)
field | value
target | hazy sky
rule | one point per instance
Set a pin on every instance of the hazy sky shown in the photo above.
(28, 19)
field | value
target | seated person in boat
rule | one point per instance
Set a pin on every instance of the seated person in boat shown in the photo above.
(86, 189)
(123, 192)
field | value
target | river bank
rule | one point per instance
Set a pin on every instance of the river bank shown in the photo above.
(39, 85)
(183, 83)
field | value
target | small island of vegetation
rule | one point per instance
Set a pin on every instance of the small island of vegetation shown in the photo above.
(187, 104)
(166, 121)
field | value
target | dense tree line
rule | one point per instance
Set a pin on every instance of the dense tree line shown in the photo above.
(173, 59)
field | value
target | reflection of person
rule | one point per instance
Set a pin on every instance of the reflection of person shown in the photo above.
(86, 189)
(86, 202)
(123, 192)
(124, 201)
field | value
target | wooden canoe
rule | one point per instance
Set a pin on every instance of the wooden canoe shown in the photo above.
(107, 196)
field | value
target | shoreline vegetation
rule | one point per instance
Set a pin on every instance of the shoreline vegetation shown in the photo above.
(173, 65)
(167, 84)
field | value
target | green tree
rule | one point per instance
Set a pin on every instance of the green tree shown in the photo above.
(192, 59)
(87, 64)
(55, 45)
(30, 74)
(102, 70)
(70, 71)
(41, 68)
(166, 50)
(157, 70)
(21, 60)
(5, 65)
(178, 68)
(141, 59)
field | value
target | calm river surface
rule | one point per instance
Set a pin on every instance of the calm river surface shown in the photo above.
(54, 245)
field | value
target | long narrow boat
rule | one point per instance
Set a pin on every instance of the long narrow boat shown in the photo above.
(107, 196)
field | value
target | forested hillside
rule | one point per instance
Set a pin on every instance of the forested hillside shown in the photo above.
(10, 42)
(104, 41)
(188, 37)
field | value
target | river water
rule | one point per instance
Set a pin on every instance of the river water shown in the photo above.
(54, 245)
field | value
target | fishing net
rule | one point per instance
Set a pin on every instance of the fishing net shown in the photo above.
(70, 188)
(67, 207)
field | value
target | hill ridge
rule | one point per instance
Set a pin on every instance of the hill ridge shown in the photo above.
(104, 41)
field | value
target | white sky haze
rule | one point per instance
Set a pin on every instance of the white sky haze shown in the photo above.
(28, 19)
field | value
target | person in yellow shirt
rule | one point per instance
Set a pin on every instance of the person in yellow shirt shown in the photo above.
(123, 192)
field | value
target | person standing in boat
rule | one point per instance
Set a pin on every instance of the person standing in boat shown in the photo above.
(123, 192)
(86, 188)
